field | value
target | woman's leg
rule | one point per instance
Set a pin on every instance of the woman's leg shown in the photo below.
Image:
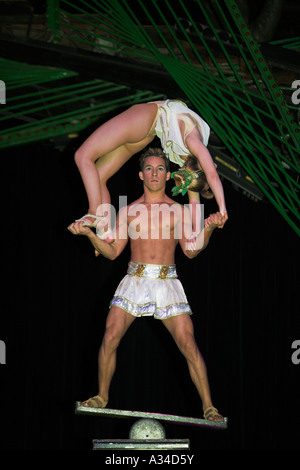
(111, 145)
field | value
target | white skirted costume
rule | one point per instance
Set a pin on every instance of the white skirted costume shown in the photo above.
(151, 290)
(167, 129)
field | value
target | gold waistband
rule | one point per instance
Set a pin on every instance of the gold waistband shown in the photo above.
(152, 271)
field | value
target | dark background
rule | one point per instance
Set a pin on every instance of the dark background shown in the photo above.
(243, 289)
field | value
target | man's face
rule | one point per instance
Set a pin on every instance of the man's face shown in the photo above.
(154, 173)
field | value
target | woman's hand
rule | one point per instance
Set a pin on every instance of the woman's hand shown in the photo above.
(224, 217)
(216, 220)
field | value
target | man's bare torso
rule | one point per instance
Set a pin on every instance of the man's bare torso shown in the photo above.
(154, 230)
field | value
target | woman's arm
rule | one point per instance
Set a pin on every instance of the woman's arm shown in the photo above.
(198, 149)
(195, 210)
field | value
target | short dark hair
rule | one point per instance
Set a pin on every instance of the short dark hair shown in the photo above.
(154, 152)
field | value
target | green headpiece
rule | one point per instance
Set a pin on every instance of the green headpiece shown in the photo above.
(188, 179)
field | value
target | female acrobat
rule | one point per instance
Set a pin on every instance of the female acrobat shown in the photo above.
(182, 133)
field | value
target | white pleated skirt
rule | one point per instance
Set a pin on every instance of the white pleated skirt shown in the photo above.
(151, 290)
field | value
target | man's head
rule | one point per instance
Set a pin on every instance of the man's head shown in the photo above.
(154, 152)
(154, 169)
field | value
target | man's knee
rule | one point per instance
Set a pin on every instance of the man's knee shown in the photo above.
(112, 337)
(117, 324)
(187, 344)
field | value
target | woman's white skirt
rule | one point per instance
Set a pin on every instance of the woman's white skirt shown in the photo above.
(167, 129)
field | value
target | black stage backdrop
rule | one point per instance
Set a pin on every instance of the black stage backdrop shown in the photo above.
(243, 289)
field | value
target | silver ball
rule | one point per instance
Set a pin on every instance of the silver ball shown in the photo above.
(147, 429)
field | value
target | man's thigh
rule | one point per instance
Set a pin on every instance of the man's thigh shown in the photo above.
(179, 325)
(118, 320)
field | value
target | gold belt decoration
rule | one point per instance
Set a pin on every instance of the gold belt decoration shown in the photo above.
(139, 270)
(163, 272)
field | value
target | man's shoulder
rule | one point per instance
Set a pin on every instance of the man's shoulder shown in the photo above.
(141, 202)
(137, 201)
